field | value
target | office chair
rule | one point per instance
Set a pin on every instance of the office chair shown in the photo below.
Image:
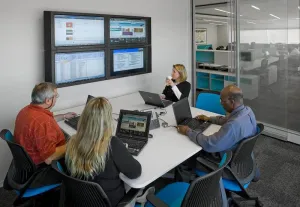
(81, 193)
(22, 171)
(241, 170)
(210, 101)
(203, 191)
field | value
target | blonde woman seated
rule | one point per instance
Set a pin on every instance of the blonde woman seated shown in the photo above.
(94, 154)
(177, 87)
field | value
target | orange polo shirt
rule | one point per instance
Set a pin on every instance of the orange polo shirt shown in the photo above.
(37, 131)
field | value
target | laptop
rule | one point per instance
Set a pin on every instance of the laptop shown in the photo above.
(154, 99)
(183, 116)
(133, 130)
(73, 122)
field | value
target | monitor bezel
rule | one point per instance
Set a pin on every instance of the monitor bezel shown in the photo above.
(148, 29)
(138, 113)
(50, 67)
(147, 63)
(49, 30)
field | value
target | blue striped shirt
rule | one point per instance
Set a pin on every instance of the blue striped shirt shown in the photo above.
(240, 124)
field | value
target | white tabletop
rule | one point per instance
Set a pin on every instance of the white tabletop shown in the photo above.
(164, 151)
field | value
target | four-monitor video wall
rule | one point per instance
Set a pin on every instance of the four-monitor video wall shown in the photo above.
(82, 48)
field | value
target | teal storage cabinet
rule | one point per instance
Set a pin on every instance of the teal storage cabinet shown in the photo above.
(205, 57)
(217, 82)
(202, 80)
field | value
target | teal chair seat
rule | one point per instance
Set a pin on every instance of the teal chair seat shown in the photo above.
(172, 194)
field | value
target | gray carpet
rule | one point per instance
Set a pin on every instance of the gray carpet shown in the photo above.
(279, 163)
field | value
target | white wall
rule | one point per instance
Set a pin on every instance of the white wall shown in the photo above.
(21, 52)
(212, 37)
(223, 36)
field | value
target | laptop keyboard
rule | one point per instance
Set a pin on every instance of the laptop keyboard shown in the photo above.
(73, 122)
(166, 102)
(135, 144)
(196, 124)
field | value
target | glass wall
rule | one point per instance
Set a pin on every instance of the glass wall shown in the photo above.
(267, 65)
(269, 57)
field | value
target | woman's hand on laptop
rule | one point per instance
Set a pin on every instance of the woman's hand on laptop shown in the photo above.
(162, 96)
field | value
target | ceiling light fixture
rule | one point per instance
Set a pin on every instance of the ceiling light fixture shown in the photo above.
(216, 24)
(298, 7)
(251, 22)
(223, 11)
(255, 7)
(208, 20)
(274, 16)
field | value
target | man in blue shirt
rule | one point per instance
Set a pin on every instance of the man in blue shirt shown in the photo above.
(239, 124)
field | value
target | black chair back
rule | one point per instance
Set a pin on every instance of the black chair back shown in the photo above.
(22, 167)
(80, 193)
(205, 191)
(243, 164)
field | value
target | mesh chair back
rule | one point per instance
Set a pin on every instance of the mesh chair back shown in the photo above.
(22, 167)
(210, 101)
(205, 190)
(243, 164)
(80, 193)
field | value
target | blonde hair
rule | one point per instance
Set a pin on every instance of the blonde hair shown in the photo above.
(88, 149)
(182, 72)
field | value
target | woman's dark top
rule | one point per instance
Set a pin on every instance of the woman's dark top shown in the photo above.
(118, 160)
(184, 87)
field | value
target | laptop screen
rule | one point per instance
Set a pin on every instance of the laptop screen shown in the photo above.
(182, 110)
(134, 123)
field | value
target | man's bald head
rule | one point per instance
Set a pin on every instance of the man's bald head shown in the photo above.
(231, 98)
(233, 92)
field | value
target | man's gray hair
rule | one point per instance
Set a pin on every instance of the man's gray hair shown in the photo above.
(236, 96)
(41, 92)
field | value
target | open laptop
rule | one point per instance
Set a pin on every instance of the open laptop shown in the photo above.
(183, 116)
(133, 129)
(154, 99)
(74, 121)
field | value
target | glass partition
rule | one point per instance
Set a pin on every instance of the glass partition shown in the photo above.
(269, 63)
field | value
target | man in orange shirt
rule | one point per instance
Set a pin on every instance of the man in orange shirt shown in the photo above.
(36, 130)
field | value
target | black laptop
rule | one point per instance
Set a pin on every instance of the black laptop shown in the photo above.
(133, 129)
(183, 116)
(74, 121)
(154, 99)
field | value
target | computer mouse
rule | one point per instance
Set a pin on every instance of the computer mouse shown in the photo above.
(150, 136)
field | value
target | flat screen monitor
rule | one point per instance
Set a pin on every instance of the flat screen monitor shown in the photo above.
(129, 60)
(127, 31)
(76, 30)
(73, 67)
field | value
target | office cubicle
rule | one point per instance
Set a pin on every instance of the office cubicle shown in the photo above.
(268, 55)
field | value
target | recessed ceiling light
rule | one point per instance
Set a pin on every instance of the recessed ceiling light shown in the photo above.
(298, 7)
(274, 16)
(223, 11)
(251, 22)
(216, 24)
(208, 20)
(255, 7)
(241, 15)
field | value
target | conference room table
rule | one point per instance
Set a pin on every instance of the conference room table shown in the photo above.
(166, 150)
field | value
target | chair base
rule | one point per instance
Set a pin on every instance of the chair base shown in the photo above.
(242, 202)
